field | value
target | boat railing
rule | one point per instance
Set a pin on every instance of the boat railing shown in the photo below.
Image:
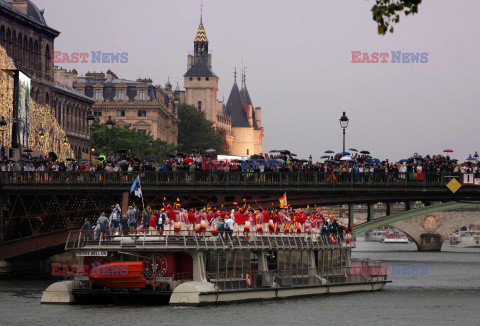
(207, 240)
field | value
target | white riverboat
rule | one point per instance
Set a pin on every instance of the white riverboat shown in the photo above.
(465, 239)
(184, 267)
(394, 237)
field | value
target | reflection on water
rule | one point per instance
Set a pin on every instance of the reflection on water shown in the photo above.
(448, 294)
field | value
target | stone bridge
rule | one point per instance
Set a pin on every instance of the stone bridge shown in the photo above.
(431, 230)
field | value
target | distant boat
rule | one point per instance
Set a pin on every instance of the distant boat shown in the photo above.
(394, 237)
(465, 239)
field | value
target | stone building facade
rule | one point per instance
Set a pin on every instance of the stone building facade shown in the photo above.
(146, 107)
(241, 123)
(29, 42)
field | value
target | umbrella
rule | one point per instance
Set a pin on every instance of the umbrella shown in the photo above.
(353, 149)
(325, 156)
(122, 151)
(274, 151)
(448, 150)
(329, 161)
(194, 150)
(23, 160)
(172, 155)
(329, 152)
(182, 154)
(404, 160)
(278, 160)
(145, 159)
(211, 150)
(346, 158)
(53, 156)
(471, 159)
(285, 152)
(342, 154)
(291, 155)
(188, 160)
(123, 162)
(375, 160)
(365, 152)
(70, 159)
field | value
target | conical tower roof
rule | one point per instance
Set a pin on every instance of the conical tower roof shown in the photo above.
(201, 34)
(235, 108)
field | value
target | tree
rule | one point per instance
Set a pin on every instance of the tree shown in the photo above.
(125, 137)
(196, 132)
(387, 12)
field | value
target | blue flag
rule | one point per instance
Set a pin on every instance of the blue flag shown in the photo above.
(136, 187)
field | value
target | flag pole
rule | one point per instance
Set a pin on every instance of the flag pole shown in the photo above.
(143, 204)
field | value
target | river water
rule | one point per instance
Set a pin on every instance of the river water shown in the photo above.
(441, 288)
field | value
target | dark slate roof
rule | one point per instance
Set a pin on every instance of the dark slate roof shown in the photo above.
(247, 101)
(235, 108)
(109, 87)
(32, 11)
(72, 91)
(200, 68)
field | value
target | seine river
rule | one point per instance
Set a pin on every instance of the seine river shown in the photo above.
(428, 289)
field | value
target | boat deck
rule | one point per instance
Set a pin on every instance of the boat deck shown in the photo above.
(180, 241)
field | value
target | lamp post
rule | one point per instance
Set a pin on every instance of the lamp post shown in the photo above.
(344, 124)
(3, 124)
(90, 120)
(310, 158)
(109, 125)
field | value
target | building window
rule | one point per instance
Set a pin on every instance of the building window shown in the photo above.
(198, 78)
(199, 105)
(142, 95)
(97, 113)
(98, 94)
(142, 113)
(121, 95)
(207, 78)
(120, 113)
(248, 152)
(190, 78)
(81, 91)
(142, 131)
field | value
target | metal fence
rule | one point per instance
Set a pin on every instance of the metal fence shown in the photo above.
(208, 240)
(223, 178)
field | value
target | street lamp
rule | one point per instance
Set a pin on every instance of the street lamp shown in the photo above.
(310, 158)
(65, 142)
(42, 135)
(344, 124)
(3, 124)
(90, 120)
(109, 125)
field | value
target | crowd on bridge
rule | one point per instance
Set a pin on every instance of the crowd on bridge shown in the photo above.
(174, 219)
(337, 165)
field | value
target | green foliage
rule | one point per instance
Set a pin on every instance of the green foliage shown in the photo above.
(196, 132)
(125, 137)
(387, 12)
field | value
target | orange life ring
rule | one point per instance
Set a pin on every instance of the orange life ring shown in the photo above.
(345, 274)
(247, 238)
(248, 280)
(152, 279)
(332, 238)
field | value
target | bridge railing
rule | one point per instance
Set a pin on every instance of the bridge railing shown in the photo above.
(224, 178)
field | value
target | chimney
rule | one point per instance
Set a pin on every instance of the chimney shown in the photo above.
(210, 61)
(20, 5)
(258, 116)
(189, 61)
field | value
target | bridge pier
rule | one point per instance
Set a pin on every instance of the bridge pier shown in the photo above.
(389, 208)
(370, 211)
(351, 214)
(430, 242)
